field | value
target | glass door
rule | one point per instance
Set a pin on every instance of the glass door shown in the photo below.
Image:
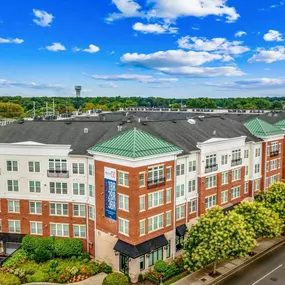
(124, 264)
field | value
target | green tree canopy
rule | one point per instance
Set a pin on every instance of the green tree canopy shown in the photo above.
(217, 237)
(11, 110)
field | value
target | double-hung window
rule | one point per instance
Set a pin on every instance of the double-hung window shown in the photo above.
(211, 182)
(180, 212)
(35, 208)
(91, 213)
(180, 169)
(142, 203)
(79, 189)
(79, 231)
(257, 152)
(14, 226)
(78, 168)
(180, 191)
(168, 195)
(142, 179)
(225, 178)
(155, 174)
(58, 209)
(34, 166)
(123, 202)
(155, 223)
(191, 185)
(168, 219)
(59, 230)
(236, 174)
(193, 206)
(13, 185)
(224, 159)
(256, 184)
(192, 165)
(123, 226)
(58, 188)
(79, 210)
(36, 228)
(246, 153)
(257, 168)
(91, 169)
(123, 179)
(236, 192)
(155, 199)
(13, 206)
(224, 196)
(12, 165)
(236, 154)
(211, 160)
(168, 173)
(35, 186)
(210, 201)
(142, 227)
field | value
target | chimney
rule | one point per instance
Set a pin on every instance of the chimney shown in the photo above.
(120, 128)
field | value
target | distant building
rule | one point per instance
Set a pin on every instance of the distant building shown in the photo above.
(78, 90)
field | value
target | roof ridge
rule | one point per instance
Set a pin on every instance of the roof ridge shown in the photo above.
(259, 121)
(134, 144)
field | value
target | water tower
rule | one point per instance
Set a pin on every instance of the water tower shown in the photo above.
(78, 90)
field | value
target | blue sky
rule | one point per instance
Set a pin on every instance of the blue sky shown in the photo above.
(164, 48)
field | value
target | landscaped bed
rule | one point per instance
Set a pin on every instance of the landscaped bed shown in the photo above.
(34, 262)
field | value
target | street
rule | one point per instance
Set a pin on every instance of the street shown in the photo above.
(269, 269)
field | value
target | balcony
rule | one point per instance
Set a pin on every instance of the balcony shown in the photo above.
(156, 183)
(58, 173)
(236, 162)
(211, 168)
(274, 153)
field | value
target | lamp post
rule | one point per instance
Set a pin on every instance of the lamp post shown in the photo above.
(53, 245)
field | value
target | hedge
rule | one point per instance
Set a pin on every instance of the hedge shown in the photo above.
(9, 279)
(116, 279)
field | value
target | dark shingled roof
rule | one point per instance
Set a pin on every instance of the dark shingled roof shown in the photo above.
(177, 132)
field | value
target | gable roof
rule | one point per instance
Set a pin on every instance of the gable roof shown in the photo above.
(261, 128)
(134, 143)
(280, 124)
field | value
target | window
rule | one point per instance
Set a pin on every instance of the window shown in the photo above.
(273, 164)
(34, 166)
(142, 203)
(13, 185)
(224, 196)
(236, 154)
(12, 165)
(168, 173)
(124, 226)
(91, 169)
(142, 179)
(58, 209)
(79, 210)
(246, 153)
(168, 195)
(274, 147)
(256, 184)
(155, 223)
(192, 186)
(224, 159)
(236, 174)
(154, 256)
(59, 165)
(192, 165)
(180, 191)
(78, 168)
(123, 202)
(278, 162)
(142, 227)
(168, 249)
(236, 192)
(79, 231)
(256, 168)
(59, 230)
(246, 170)
(211, 160)
(91, 191)
(155, 199)
(168, 219)
(35, 186)
(245, 187)
(36, 228)
(257, 152)
(79, 189)
(274, 178)
(14, 226)
(225, 178)
(142, 262)
(193, 206)
(211, 181)
(91, 213)
(155, 173)
(123, 179)
(210, 201)
(58, 188)
(13, 206)
(180, 212)
(35, 208)
(180, 169)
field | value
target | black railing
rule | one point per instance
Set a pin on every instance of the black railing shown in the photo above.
(58, 173)
(156, 182)
(236, 162)
(274, 152)
(211, 168)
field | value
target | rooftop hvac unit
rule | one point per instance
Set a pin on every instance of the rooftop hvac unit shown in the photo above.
(191, 121)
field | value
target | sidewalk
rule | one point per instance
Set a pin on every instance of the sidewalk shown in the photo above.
(202, 276)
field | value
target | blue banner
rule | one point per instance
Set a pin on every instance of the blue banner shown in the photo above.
(110, 199)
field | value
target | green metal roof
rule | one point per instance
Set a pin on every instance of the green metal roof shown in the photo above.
(260, 128)
(134, 143)
(280, 124)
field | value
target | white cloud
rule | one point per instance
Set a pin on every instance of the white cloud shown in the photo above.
(240, 34)
(108, 85)
(56, 47)
(220, 45)
(43, 18)
(173, 9)
(277, 5)
(269, 56)
(154, 28)
(11, 41)
(91, 49)
(273, 36)
(76, 49)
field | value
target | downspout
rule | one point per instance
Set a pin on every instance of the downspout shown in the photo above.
(87, 208)
(265, 163)
(95, 201)
(174, 209)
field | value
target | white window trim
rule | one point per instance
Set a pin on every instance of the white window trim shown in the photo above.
(14, 226)
(170, 195)
(227, 197)
(40, 166)
(13, 206)
(30, 207)
(128, 226)
(169, 167)
(124, 172)
(233, 180)
(232, 193)
(38, 222)
(152, 218)
(180, 207)
(142, 210)
(12, 160)
(168, 225)
(226, 172)
(212, 205)
(63, 224)
(144, 173)
(78, 204)
(211, 186)
(79, 225)
(61, 207)
(144, 227)
(128, 198)
(191, 212)
(159, 205)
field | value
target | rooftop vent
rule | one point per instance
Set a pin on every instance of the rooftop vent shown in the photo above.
(275, 115)
(85, 130)
(139, 120)
(214, 132)
(174, 121)
(144, 123)
(68, 122)
(120, 128)
(269, 114)
(201, 117)
(191, 121)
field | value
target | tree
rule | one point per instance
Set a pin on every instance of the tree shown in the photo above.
(217, 237)
(265, 222)
(11, 110)
(88, 106)
(274, 199)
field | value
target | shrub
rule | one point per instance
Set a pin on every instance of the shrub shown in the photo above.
(85, 255)
(68, 247)
(42, 254)
(141, 278)
(116, 279)
(93, 268)
(17, 258)
(106, 268)
(38, 277)
(160, 266)
(30, 243)
(30, 267)
(9, 279)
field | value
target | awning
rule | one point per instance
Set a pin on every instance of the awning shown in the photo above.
(7, 237)
(134, 251)
(228, 207)
(181, 230)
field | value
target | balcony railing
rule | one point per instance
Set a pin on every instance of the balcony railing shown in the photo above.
(274, 153)
(211, 168)
(58, 173)
(155, 183)
(236, 162)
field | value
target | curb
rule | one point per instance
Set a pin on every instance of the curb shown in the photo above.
(246, 263)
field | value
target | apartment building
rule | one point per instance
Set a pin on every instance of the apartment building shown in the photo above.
(130, 188)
